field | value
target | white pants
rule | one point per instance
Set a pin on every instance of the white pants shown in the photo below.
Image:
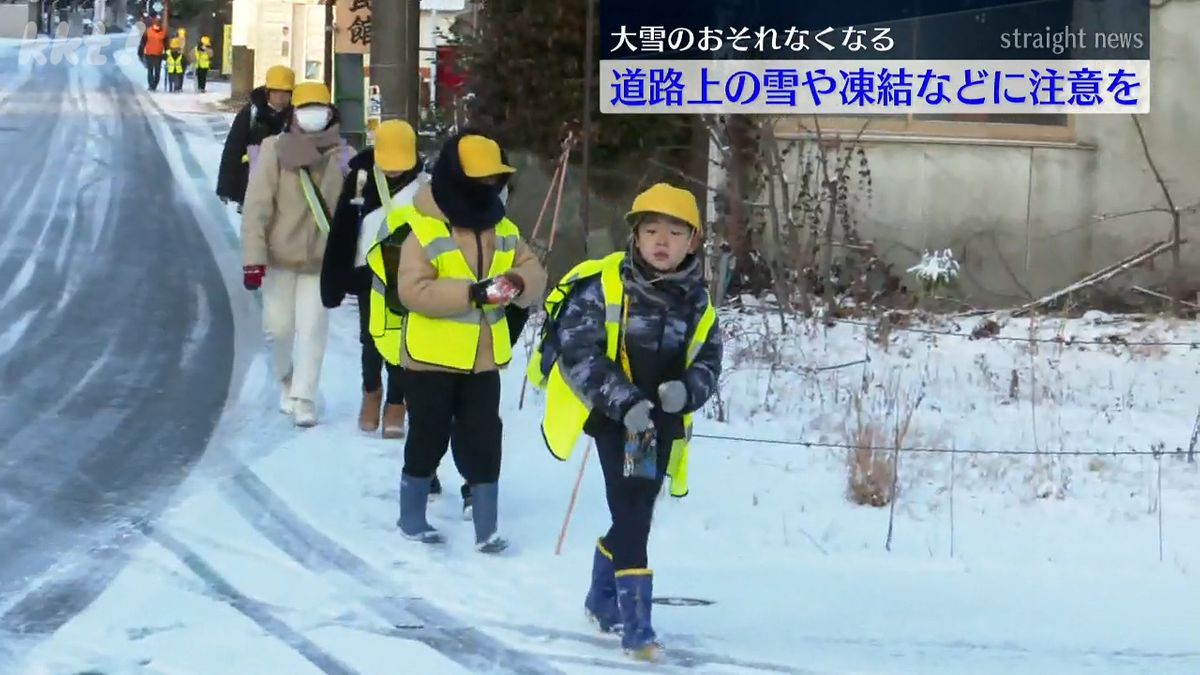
(292, 309)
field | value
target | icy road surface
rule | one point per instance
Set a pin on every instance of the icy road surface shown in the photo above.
(116, 338)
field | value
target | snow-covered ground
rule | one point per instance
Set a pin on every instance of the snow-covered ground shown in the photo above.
(285, 558)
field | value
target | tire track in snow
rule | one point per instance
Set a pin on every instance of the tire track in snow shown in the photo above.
(469, 647)
(250, 608)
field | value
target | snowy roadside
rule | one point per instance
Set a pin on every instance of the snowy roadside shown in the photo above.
(983, 575)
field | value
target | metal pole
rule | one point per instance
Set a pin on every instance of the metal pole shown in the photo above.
(589, 49)
(329, 5)
(395, 39)
(410, 73)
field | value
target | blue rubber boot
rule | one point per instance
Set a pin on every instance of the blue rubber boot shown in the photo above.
(635, 594)
(414, 497)
(601, 601)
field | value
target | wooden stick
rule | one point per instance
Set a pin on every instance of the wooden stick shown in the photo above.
(1164, 296)
(537, 224)
(562, 535)
(1100, 275)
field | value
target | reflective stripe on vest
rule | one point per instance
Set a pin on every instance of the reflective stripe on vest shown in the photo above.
(384, 325)
(568, 410)
(385, 196)
(453, 342)
(174, 63)
(314, 204)
(203, 58)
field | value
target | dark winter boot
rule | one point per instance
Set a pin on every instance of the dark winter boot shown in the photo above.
(635, 593)
(601, 601)
(466, 495)
(485, 499)
(435, 487)
(414, 497)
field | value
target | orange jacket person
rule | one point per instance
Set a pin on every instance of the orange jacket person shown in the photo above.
(151, 50)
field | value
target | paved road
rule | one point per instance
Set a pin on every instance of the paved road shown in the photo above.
(116, 337)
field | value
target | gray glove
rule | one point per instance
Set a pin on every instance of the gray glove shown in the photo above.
(637, 420)
(673, 396)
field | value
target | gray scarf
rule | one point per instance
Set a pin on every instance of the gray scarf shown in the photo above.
(660, 288)
(298, 149)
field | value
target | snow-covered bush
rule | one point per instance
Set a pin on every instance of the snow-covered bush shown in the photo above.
(936, 270)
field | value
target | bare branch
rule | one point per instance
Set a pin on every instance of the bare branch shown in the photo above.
(1164, 296)
(1101, 275)
(695, 181)
(1150, 160)
(1125, 214)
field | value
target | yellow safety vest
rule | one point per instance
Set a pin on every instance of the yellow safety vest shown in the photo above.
(384, 325)
(174, 63)
(446, 342)
(566, 411)
(203, 57)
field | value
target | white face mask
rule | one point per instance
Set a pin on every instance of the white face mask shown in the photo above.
(312, 119)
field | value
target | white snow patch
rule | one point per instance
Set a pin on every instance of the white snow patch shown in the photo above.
(983, 575)
(12, 333)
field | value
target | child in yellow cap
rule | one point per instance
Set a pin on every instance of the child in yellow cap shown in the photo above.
(202, 58)
(176, 65)
(637, 337)
(382, 177)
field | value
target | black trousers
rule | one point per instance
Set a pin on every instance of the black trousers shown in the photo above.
(630, 500)
(201, 78)
(176, 81)
(468, 404)
(372, 362)
(153, 70)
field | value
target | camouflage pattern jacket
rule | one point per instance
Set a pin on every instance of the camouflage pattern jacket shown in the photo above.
(662, 314)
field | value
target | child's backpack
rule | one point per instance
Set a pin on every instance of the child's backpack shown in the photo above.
(549, 344)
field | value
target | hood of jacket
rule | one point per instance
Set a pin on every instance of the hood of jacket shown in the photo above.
(466, 202)
(264, 114)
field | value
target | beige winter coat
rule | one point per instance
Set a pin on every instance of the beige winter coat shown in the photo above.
(278, 229)
(423, 292)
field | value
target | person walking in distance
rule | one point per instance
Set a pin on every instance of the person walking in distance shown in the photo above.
(381, 178)
(462, 264)
(151, 47)
(176, 65)
(284, 228)
(631, 349)
(265, 115)
(202, 60)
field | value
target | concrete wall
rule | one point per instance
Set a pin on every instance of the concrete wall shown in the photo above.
(14, 20)
(1030, 207)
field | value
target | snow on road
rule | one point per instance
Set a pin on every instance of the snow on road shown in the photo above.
(286, 557)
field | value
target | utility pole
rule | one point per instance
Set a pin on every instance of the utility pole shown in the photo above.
(395, 48)
(590, 243)
(329, 7)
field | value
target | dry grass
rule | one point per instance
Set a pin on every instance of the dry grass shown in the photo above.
(876, 434)
(871, 472)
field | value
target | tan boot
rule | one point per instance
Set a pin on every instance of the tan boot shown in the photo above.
(393, 420)
(368, 416)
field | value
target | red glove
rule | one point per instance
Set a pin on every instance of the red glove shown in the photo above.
(252, 276)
